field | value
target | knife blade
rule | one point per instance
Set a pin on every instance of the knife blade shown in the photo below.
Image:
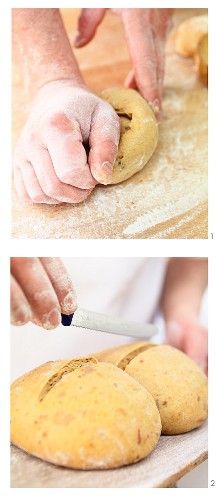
(96, 321)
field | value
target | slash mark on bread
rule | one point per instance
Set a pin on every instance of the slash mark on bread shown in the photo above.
(72, 365)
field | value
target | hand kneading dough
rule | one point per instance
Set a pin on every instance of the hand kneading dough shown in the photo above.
(177, 384)
(139, 131)
(83, 414)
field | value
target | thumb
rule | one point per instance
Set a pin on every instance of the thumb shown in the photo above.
(88, 22)
(174, 335)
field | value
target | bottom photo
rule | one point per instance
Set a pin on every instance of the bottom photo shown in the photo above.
(109, 366)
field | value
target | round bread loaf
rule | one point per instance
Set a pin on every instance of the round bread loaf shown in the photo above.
(83, 414)
(139, 131)
(176, 383)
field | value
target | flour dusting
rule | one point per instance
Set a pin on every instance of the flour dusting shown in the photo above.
(166, 199)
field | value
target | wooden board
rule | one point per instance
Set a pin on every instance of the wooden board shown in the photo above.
(168, 198)
(173, 457)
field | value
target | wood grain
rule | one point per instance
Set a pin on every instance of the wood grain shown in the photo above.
(168, 198)
(173, 457)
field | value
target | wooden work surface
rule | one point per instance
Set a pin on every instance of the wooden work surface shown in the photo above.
(168, 198)
(173, 457)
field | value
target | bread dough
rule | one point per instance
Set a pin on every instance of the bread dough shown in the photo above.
(139, 131)
(189, 34)
(177, 384)
(83, 414)
(201, 59)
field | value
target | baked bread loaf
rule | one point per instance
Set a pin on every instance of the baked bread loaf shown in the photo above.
(83, 414)
(177, 384)
(139, 131)
(123, 354)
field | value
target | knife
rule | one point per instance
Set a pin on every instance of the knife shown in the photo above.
(103, 323)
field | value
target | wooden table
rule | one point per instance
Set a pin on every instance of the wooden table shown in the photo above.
(173, 457)
(168, 198)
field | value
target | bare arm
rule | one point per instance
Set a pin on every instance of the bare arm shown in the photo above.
(184, 286)
(42, 49)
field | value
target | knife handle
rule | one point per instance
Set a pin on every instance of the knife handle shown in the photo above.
(66, 319)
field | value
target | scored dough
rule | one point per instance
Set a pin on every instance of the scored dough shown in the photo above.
(139, 131)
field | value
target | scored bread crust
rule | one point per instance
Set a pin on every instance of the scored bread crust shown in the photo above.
(122, 355)
(83, 414)
(177, 384)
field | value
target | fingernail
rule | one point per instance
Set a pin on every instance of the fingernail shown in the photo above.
(51, 320)
(155, 105)
(69, 303)
(21, 315)
(78, 39)
(106, 172)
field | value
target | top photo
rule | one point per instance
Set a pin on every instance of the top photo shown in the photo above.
(110, 123)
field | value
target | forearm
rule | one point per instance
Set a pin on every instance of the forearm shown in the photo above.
(42, 49)
(184, 286)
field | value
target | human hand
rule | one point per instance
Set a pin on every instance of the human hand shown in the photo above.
(40, 290)
(50, 161)
(145, 31)
(190, 337)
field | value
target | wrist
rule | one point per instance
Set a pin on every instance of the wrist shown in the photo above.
(56, 78)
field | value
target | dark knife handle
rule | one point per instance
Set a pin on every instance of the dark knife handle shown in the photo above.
(66, 319)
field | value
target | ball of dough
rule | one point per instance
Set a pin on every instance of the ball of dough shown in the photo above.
(201, 59)
(83, 414)
(176, 383)
(189, 33)
(139, 131)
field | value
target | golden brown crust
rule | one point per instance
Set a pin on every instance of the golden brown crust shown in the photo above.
(121, 355)
(174, 380)
(94, 417)
(177, 384)
(139, 131)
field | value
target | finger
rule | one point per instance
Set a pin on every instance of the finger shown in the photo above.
(196, 344)
(32, 185)
(103, 141)
(49, 181)
(64, 142)
(130, 82)
(20, 186)
(20, 309)
(143, 55)
(38, 290)
(174, 335)
(87, 24)
(61, 282)
(159, 44)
